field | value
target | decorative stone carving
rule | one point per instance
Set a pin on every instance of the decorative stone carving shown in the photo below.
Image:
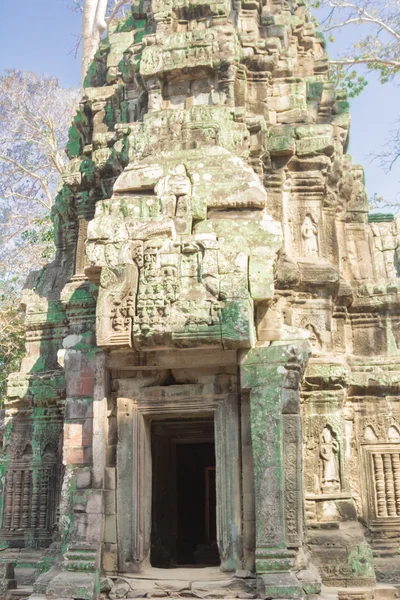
(309, 233)
(383, 476)
(30, 493)
(314, 338)
(328, 451)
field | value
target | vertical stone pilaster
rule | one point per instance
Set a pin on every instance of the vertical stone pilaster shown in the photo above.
(292, 450)
(228, 481)
(99, 443)
(266, 429)
(247, 486)
(292, 463)
(80, 257)
(133, 488)
(272, 376)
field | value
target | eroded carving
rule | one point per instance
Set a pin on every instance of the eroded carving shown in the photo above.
(329, 450)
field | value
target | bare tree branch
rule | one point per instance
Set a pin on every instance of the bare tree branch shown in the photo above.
(366, 61)
(376, 28)
(363, 17)
(35, 114)
(34, 175)
(115, 10)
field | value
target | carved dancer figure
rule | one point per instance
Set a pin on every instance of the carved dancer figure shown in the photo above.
(309, 233)
(329, 450)
(314, 338)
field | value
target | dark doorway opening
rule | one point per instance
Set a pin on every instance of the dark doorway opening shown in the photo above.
(184, 527)
(196, 503)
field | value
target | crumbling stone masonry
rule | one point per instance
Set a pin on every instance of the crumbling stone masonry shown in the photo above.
(221, 303)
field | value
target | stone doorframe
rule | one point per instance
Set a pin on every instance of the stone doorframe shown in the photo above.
(134, 470)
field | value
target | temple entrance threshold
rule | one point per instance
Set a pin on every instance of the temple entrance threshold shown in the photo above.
(184, 530)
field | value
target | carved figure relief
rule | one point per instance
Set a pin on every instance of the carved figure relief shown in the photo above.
(309, 234)
(314, 338)
(80, 259)
(329, 455)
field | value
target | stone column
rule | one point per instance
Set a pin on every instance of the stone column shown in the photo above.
(272, 375)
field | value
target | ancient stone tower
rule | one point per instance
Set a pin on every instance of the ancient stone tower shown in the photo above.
(213, 359)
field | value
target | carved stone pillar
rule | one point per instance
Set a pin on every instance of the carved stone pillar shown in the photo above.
(272, 375)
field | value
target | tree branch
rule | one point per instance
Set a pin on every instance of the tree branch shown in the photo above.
(366, 61)
(360, 21)
(115, 10)
(100, 23)
(364, 16)
(30, 174)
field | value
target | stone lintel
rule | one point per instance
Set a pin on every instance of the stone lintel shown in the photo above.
(165, 359)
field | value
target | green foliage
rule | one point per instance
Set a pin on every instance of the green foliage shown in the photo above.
(349, 80)
(41, 235)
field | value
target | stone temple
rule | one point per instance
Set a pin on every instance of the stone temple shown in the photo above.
(209, 403)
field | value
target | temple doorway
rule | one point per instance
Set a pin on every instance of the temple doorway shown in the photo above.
(184, 528)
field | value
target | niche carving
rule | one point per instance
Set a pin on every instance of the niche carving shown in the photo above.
(329, 461)
(309, 237)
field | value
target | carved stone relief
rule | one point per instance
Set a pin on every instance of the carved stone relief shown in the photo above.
(329, 466)
(309, 234)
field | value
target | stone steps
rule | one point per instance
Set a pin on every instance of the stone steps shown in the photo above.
(22, 592)
(139, 587)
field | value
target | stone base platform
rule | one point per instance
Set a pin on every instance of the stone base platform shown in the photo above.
(208, 582)
(22, 592)
(380, 592)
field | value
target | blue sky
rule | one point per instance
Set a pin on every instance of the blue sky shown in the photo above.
(40, 35)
